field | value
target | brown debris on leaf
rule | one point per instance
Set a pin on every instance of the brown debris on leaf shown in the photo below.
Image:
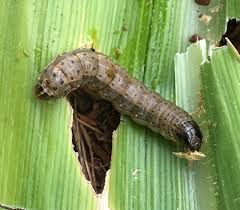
(94, 121)
(2, 206)
(117, 53)
(203, 2)
(194, 38)
(205, 18)
(232, 33)
(190, 155)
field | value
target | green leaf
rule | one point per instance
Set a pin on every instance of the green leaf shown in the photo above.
(38, 168)
(221, 81)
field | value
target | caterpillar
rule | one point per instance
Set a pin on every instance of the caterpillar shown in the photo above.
(96, 73)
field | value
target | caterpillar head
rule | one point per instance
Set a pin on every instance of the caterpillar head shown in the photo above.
(191, 135)
(52, 83)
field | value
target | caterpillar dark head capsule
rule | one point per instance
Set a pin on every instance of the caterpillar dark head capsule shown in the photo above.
(191, 135)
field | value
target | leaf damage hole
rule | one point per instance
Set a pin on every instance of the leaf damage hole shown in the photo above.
(232, 33)
(94, 121)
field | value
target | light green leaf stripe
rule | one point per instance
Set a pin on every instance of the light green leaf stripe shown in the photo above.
(202, 176)
(221, 89)
(232, 8)
(38, 167)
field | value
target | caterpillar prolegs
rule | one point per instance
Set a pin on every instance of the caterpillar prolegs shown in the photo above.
(96, 73)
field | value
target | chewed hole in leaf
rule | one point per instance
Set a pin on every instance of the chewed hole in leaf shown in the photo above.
(232, 33)
(94, 121)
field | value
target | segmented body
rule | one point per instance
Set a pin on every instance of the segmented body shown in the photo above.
(95, 72)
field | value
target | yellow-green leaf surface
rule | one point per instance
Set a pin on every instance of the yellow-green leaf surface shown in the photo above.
(38, 168)
(201, 176)
(221, 79)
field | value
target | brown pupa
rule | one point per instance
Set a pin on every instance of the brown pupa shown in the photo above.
(96, 73)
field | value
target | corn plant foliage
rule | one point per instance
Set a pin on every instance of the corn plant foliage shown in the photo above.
(38, 169)
(221, 80)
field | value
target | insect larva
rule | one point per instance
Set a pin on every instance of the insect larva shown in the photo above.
(95, 72)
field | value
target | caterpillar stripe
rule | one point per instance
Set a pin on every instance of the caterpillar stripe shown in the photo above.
(95, 72)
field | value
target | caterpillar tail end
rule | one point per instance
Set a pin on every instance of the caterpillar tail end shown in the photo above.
(190, 155)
